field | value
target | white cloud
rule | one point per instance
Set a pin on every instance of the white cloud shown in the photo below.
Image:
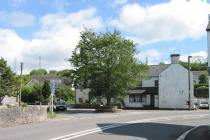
(17, 19)
(11, 45)
(152, 55)
(174, 20)
(55, 41)
(200, 56)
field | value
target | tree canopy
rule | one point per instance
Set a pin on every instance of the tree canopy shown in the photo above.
(9, 82)
(195, 66)
(106, 64)
(38, 72)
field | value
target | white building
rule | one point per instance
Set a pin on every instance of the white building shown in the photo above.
(166, 87)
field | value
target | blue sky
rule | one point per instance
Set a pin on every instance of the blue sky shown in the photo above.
(49, 29)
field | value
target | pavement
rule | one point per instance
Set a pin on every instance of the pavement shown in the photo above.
(126, 125)
(199, 133)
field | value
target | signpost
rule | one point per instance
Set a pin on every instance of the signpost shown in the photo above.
(53, 88)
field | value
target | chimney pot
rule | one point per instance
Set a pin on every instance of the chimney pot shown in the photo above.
(175, 58)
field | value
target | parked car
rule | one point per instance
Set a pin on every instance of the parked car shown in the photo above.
(60, 105)
(204, 104)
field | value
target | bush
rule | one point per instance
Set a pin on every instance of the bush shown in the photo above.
(23, 104)
(202, 92)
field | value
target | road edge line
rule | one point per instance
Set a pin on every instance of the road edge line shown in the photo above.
(183, 136)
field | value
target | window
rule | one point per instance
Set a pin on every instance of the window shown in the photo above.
(156, 83)
(135, 98)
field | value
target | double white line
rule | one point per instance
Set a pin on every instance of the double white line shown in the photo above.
(99, 129)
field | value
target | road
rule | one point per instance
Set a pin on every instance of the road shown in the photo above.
(127, 125)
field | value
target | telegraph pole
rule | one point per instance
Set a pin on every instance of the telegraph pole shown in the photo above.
(21, 75)
(189, 81)
(208, 44)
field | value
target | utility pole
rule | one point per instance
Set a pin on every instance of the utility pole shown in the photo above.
(189, 81)
(21, 75)
(208, 45)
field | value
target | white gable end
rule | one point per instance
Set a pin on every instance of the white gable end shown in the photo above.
(174, 87)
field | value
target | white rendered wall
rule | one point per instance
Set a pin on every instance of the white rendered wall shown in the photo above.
(174, 88)
(83, 94)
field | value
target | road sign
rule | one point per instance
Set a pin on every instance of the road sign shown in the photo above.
(53, 88)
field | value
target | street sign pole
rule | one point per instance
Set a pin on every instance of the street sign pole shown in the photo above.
(53, 88)
(52, 103)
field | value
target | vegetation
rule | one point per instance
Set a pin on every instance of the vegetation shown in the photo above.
(202, 89)
(23, 104)
(66, 94)
(196, 66)
(51, 115)
(9, 82)
(105, 63)
(40, 72)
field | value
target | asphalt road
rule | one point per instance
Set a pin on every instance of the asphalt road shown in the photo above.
(127, 125)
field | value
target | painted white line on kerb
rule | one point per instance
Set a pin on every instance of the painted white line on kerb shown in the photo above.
(183, 136)
(99, 129)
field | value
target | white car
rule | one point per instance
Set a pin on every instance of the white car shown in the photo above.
(204, 104)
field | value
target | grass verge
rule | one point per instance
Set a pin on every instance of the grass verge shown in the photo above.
(51, 115)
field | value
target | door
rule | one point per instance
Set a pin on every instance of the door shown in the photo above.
(152, 100)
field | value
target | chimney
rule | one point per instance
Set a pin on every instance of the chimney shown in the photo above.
(175, 58)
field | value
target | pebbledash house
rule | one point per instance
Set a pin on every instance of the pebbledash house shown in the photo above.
(168, 86)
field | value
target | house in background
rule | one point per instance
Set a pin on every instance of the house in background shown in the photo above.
(166, 87)
(61, 82)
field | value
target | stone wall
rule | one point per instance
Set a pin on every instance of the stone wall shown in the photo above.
(18, 115)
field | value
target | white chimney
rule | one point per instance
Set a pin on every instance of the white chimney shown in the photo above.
(175, 58)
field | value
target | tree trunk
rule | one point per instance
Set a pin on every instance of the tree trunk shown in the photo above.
(108, 101)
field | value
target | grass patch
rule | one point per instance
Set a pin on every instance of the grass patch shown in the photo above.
(51, 115)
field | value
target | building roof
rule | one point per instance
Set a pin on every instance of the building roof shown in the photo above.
(144, 90)
(60, 81)
(196, 74)
(155, 70)
(208, 27)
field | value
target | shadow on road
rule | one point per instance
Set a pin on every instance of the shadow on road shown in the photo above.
(77, 111)
(149, 131)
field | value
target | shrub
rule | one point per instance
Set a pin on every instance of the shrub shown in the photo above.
(23, 104)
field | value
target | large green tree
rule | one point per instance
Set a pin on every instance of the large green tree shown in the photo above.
(106, 64)
(9, 82)
(40, 72)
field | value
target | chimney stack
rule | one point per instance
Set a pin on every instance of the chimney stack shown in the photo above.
(175, 58)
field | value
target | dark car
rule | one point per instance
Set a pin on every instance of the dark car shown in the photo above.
(60, 105)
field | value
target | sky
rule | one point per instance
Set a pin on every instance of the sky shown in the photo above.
(43, 33)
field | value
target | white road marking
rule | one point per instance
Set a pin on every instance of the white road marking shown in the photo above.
(99, 129)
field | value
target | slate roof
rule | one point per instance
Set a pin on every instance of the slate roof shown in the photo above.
(155, 70)
(60, 81)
